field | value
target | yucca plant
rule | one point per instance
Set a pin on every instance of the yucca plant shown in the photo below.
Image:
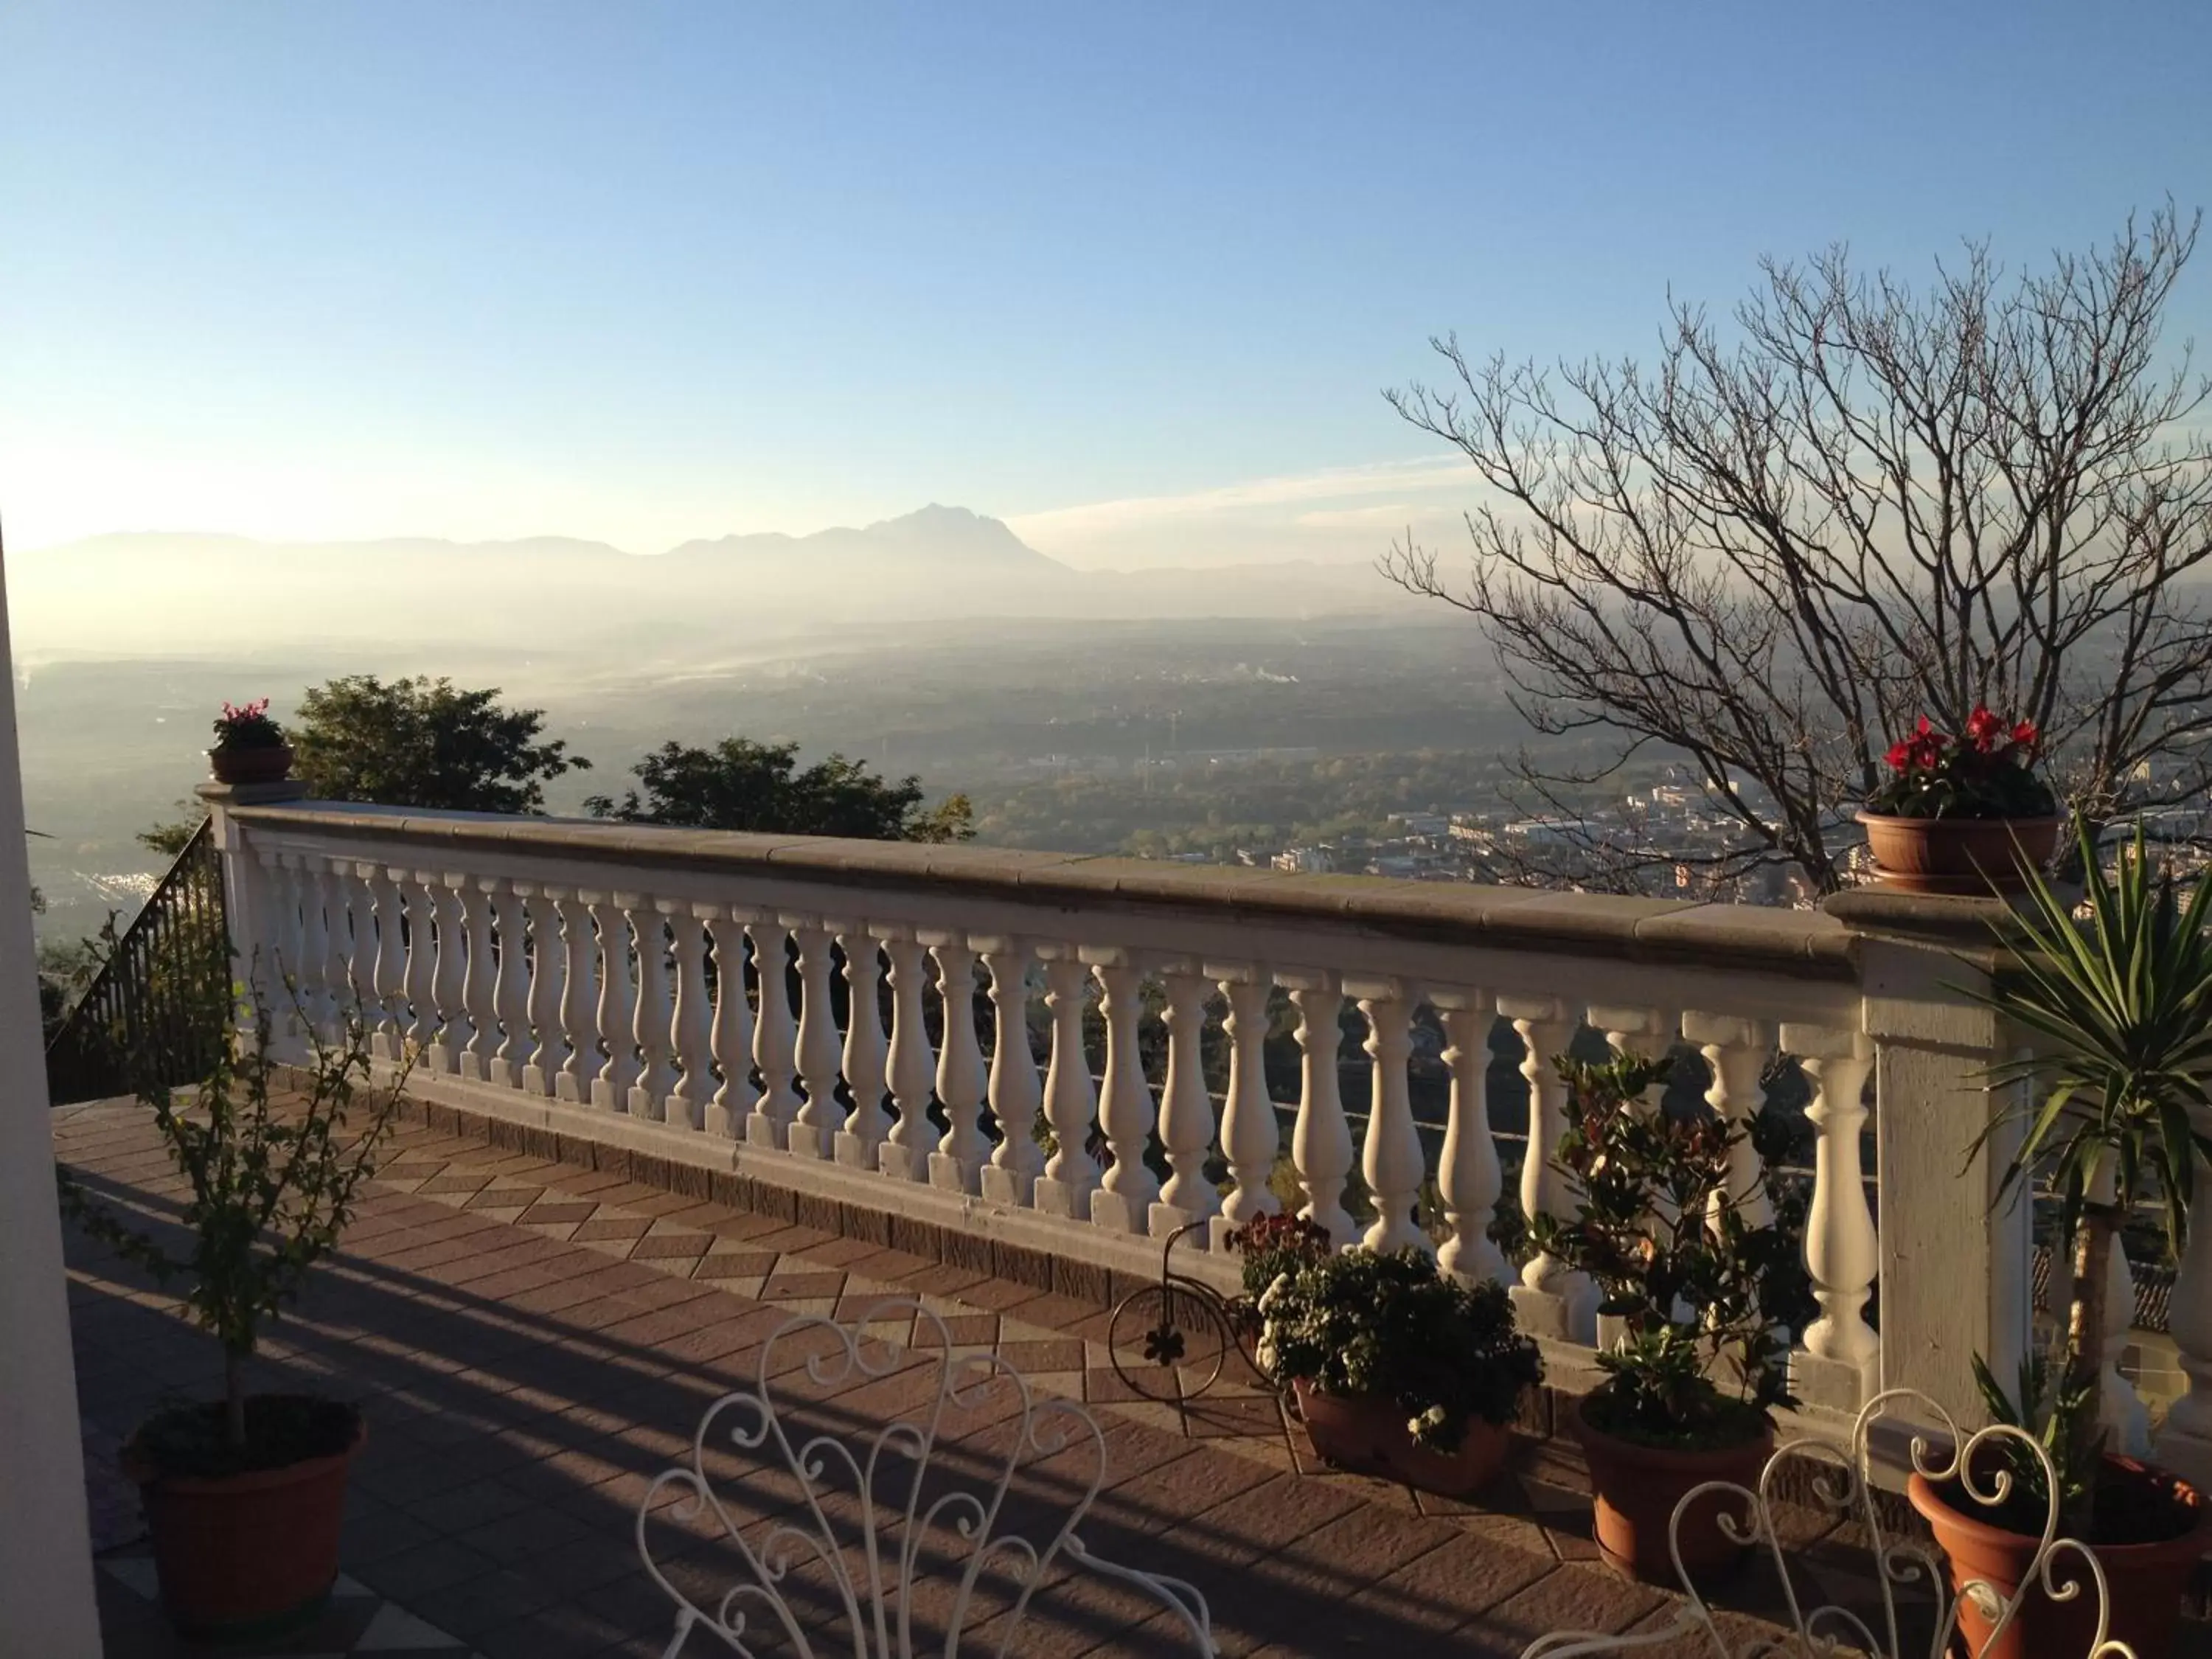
(2121, 1007)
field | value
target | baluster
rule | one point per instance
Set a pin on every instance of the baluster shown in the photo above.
(1391, 1160)
(1564, 1303)
(480, 981)
(1186, 1107)
(1251, 1137)
(1071, 1175)
(867, 1047)
(1840, 1243)
(652, 1015)
(733, 1023)
(338, 949)
(688, 1033)
(315, 947)
(541, 1061)
(958, 1159)
(1015, 1096)
(775, 1040)
(283, 929)
(357, 971)
(1737, 1052)
(2184, 1441)
(814, 1131)
(446, 981)
(611, 1088)
(422, 962)
(387, 970)
(1638, 1034)
(1321, 1139)
(510, 986)
(1469, 1179)
(580, 1019)
(905, 1154)
(1123, 1200)
(2120, 1409)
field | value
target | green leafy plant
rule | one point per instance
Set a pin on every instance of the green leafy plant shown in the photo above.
(2051, 1408)
(247, 726)
(1988, 771)
(1699, 1287)
(2120, 1010)
(272, 1176)
(1361, 1323)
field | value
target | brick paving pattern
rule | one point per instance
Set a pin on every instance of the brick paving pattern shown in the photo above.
(532, 1343)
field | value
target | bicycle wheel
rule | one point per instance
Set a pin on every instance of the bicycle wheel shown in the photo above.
(1167, 1342)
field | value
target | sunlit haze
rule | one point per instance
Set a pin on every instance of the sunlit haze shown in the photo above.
(1129, 278)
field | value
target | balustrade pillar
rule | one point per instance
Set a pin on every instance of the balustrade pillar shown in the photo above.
(1250, 1138)
(338, 1002)
(814, 1130)
(315, 947)
(285, 930)
(1186, 1107)
(733, 1037)
(691, 1033)
(1737, 1052)
(1391, 1160)
(1321, 1138)
(387, 975)
(579, 1017)
(610, 1087)
(2184, 1441)
(1123, 1201)
(1015, 1094)
(422, 908)
(905, 1154)
(511, 985)
(957, 1162)
(542, 1049)
(776, 1039)
(649, 1023)
(1552, 1298)
(1841, 1248)
(451, 1039)
(867, 1048)
(479, 982)
(1469, 1179)
(2120, 1409)
(1071, 1103)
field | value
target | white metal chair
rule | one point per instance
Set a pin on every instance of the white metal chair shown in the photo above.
(1842, 1486)
(904, 1526)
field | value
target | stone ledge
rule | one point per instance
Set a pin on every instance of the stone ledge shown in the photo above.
(1803, 944)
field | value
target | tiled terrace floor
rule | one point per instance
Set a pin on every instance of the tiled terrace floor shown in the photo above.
(532, 1343)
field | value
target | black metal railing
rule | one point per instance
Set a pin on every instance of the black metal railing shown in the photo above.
(157, 1012)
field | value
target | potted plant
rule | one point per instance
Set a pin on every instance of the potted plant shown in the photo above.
(1701, 1292)
(1397, 1368)
(249, 746)
(243, 1495)
(1962, 814)
(2121, 1008)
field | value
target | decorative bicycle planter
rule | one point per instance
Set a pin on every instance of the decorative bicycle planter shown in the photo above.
(1172, 1340)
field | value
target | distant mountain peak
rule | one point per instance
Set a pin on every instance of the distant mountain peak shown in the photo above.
(949, 538)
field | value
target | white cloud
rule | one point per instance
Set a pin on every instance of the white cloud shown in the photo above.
(1328, 515)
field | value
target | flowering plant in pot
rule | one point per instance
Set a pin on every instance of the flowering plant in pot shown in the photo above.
(2120, 1008)
(1964, 813)
(249, 746)
(243, 1495)
(1702, 1293)
(1397, 1367)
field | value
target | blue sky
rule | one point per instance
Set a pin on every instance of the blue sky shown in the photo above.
(1129, 276)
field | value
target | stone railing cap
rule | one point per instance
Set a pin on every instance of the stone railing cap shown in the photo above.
(1805, 943)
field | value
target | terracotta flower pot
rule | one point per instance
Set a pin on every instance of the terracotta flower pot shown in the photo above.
(1636, 1488)
(1369, 1436)
(243, 1555)
(1958, 855)
(266, 764)
(2144, 1582)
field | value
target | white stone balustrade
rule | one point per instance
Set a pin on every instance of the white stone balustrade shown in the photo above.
(763, 1004)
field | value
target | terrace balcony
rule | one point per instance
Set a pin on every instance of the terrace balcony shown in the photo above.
(630, 1151)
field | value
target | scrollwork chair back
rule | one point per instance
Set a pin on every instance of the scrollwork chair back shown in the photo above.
(810, 1521)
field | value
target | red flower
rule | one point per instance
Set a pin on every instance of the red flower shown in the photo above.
(1985, 728)
(1899, 756)
(2025, 735)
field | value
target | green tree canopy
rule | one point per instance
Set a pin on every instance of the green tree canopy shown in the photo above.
(740, 784)
(424, 743)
